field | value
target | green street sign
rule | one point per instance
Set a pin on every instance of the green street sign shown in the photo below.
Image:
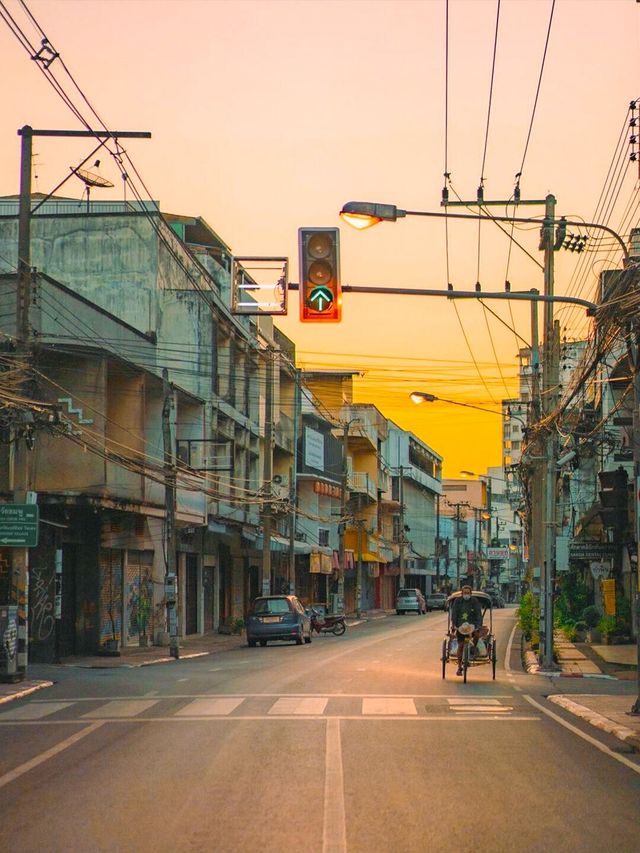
(18, 525)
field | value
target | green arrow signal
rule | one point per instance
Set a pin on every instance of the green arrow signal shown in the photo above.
(321, 297)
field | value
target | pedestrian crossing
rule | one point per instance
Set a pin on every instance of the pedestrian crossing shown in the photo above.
(259, 706)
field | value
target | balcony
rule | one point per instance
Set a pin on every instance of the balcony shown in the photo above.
(359, 483)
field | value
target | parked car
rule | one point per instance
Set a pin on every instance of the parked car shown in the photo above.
(410, 600)
(278, 617)
(436, 601)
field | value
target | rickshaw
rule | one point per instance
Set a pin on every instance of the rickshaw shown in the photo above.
(484, 652)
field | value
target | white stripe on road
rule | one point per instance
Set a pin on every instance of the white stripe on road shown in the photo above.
(293, 705)
(334, 829)
(389, 705)
(630, 764)
(472, 701)
(210, 707)
(122, 709)
(488, 709)
(507, 657)
(12, 775)
(34, 712)
(243, 718)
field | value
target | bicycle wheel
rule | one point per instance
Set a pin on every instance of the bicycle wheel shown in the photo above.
(466, 659)
(445, 655)
(494, 658)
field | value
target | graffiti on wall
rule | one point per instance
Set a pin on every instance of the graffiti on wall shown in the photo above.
(42, 602)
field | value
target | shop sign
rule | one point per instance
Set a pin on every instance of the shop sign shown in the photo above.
(329, 489)
(597, 551)
(313, 449)
(498, 553)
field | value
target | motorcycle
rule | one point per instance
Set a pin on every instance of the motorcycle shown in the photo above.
(323, 623)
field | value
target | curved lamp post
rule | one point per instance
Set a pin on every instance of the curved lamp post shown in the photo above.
(424, 397)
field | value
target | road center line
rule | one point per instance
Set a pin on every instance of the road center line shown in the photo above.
(334, 831)
(601, 746)
(14, 774)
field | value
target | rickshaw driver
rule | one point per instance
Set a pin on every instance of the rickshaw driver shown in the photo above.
(466, 608)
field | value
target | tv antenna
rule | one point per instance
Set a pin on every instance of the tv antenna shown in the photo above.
(91, 179)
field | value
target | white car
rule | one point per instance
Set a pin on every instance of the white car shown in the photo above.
(409, 600)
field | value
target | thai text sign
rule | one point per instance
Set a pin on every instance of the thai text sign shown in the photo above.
(497, 553)
(19, 525)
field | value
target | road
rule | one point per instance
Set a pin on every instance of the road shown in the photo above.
(349, 744)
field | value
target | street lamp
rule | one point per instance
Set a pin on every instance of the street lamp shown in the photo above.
(424, 397)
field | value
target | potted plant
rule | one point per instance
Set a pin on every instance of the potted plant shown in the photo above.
(607, 627)
(591, 615)
(580, 629)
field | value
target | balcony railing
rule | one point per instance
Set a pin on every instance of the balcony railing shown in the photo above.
(360, 483)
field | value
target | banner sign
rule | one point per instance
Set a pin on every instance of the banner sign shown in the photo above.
(598, 551)
(498, 553)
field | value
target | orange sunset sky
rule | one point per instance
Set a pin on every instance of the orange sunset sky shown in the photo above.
(267, 116)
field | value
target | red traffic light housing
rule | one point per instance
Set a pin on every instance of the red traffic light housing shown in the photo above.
(320, 289)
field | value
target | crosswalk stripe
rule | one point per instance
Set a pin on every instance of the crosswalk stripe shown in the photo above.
(210, 707)
(474, 709)
(33, 711)
(389, 705)
(293, 705)
(460, 700)
(121, 709)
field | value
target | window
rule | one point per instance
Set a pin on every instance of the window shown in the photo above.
(323, 536)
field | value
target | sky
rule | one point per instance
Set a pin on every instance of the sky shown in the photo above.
(267, 116)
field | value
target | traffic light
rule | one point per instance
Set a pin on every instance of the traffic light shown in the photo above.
(320, 290)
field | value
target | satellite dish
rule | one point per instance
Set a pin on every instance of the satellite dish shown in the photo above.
(91, 179)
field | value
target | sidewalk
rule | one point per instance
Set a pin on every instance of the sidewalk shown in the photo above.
(133, 657)
(605, 711)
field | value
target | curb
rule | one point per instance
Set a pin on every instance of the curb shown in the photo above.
(531, 665)
(135, 665)
(19, 694)
(623, 733)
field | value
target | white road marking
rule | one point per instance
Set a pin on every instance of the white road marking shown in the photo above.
(14, 774)
(618, 757)
(121, 709)
(294, 705)
(489, 709)
(389, 705)
(210, 707)
(34, 712)
(507, 656)
(334, 829)
(278, 695)
(472, 701)
(225, 718)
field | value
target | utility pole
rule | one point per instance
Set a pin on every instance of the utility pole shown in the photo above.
(343, 510)
(458, 507)
(267, 509)
(550, 379)
(293, 485)
(438, 543)
(360, 526)
(20, 456)
(171, 578)
(401, 496)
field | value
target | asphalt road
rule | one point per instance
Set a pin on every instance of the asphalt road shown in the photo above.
(349, 744)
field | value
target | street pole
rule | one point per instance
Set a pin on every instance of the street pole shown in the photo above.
(360, 525)
(267, 510)
(438, 545)
(550, 380)
(344, 477)
(401, 496)
(635, 355)
(293, 484)
(458, 506)
(171, 578)
(20, 452)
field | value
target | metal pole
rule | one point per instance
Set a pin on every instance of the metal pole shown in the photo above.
(343, 511)
(293, 484)
(635, 708)
(458, 546)
(171, 578)
(268, 474)
(438, 545)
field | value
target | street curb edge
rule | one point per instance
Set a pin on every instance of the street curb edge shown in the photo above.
(626, 735)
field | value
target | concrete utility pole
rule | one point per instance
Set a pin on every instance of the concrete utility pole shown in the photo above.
(344, 478)
(171, 577)
(293, 484)
(401, 549)
(458, 507)
(550, 381)
(267, 509)
(360, 526)
(20, 467)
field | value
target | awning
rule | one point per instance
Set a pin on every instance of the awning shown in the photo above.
(279, 543)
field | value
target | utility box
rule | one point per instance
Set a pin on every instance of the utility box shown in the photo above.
(8, 642)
